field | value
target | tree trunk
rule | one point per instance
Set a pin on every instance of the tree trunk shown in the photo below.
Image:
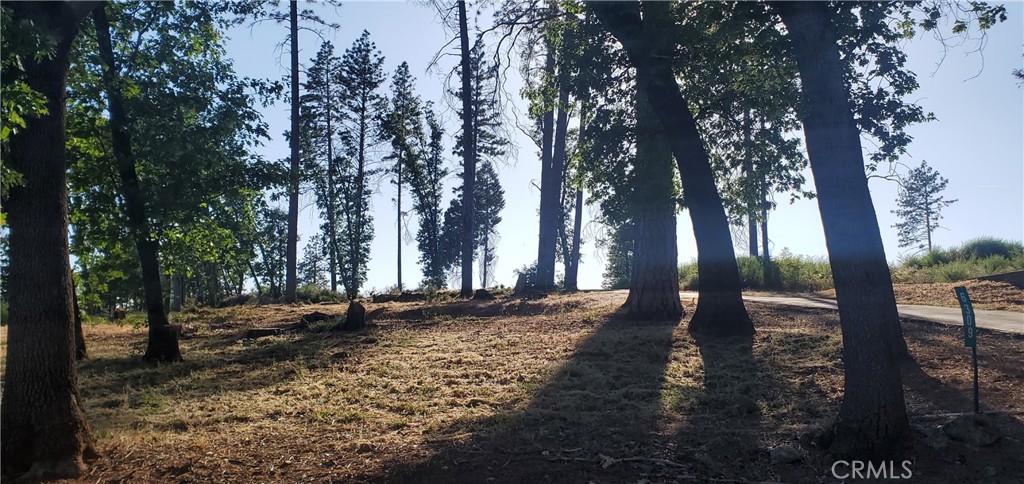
(872, 421)
(720, 310)
(291, 252)
(332, 223)
(162, 344)
(45, 433)
(468, 158)
(572, 269)
(748, 172)
(654, 281)
(548, 195)
(399, 223)
(80, 351)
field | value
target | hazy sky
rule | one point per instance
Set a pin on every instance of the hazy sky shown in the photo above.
(977, 141)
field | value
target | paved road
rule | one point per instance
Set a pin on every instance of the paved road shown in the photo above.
(1007, 321)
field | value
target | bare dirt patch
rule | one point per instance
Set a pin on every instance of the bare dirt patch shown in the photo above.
(547, 390)
(984, 294)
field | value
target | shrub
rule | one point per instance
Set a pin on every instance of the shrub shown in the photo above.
(984, 247)
(688, 278)
(316, 294)
(751, 272)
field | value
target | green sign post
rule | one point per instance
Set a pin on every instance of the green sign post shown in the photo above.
(970, 334)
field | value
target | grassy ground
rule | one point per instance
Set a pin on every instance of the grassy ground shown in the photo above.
(550, 390)
(984, 294)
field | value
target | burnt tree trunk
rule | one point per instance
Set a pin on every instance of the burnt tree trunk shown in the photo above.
(720, 310)
(654, 280)
(162, 344)
(872, 420)
(45, 434)
(291, 252)
(547, 230)
(468, 158)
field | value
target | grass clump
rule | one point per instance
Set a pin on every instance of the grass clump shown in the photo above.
(977, 257)
(786, 273)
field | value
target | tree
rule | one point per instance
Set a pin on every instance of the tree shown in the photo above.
(403, 125)
(320, 129)
(468, 152)
(490, 201)
(291, 257)
(162, 343)
(45, 434)
(920, 206)
(720, 309)
(426, 182)
(312, 267)
(873, 419)
(360, 76)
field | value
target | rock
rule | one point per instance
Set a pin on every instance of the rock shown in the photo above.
(785, 454)
(355, 317)
(973, 429)
(482, 295)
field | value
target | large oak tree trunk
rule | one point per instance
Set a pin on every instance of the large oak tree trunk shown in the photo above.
(291, 252)
(654, 281)
(872, 421)
(45, 433)
(468, 158)
(162, 344)
(720, 310)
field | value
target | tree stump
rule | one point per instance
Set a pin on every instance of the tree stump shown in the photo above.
(355, 317)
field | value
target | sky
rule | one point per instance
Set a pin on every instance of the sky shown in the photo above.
(977, 141)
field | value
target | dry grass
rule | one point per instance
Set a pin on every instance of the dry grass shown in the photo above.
(509, 390)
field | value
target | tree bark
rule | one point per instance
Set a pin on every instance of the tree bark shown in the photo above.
(332, 224)
(654, 280)
(45, 434)
(572, 269)
(468, 158)
(720, 310)
(547, 231)
(162, 344)
(872, 420)
(291, 252)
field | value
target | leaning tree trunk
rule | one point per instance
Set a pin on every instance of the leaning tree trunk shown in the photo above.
(720, 310)
(872, 420)
(548, 214)
(45, 433)
(162, 343)
(291, 252)
(654, 280)
(468, 158)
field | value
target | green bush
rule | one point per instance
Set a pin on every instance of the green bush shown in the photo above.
(688, 278)
(984, 247)
(751, 272)
(316, 294)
